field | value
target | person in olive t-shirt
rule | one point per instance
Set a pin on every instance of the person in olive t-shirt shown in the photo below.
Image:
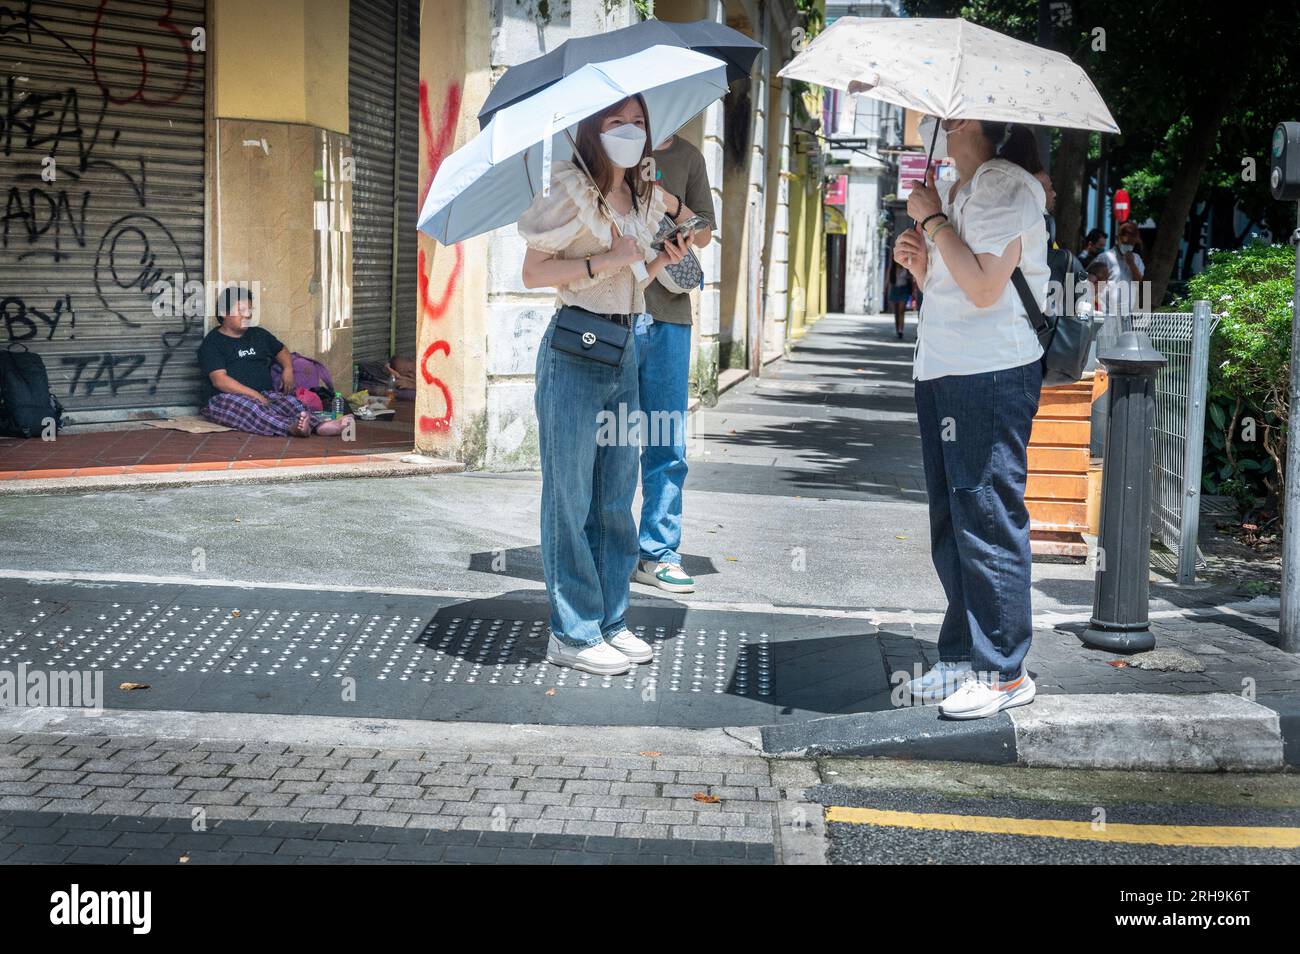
(235, 358)
(664, 358)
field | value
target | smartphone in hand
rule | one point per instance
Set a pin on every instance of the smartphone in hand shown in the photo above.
(693, 224)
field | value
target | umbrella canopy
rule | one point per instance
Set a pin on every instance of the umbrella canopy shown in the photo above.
(492, 179)
(952, 69)
(735, 49)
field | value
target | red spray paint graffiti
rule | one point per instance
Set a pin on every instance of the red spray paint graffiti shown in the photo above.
(436, 309)
(437, 145)
(142, 77)
(428, 424)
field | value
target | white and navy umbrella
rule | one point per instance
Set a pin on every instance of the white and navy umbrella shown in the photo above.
(703, 36)
(492, 179)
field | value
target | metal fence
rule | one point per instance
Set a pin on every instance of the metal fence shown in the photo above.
(1184, 339)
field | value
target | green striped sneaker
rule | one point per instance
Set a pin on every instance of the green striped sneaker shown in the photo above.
(666, 576)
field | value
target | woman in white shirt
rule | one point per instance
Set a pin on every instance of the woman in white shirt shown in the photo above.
(978, 374)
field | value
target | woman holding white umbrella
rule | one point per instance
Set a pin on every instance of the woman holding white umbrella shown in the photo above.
(980, 255)
(978, 375)
(565, 162)
(586, 239)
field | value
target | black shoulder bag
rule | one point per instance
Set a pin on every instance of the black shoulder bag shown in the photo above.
(1066, 340)
(585, 334)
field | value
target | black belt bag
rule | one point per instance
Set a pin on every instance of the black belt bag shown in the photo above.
(1066, 340)
(585, 334)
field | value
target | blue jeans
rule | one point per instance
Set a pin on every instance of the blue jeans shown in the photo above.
(974, 438)
(588, 536)
(663, 353)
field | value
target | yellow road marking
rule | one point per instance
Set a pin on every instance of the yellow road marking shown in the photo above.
(1199, 836)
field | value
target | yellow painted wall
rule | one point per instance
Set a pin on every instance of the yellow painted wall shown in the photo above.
(280, 61)
(798, 258)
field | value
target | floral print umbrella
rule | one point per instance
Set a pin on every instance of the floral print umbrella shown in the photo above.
(952, 69)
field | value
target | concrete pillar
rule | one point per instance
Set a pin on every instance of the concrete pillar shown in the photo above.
(706, 133)
(451, 405)
(798, 245)
(743, 181)
(779, 218)
(505, 320)
(817, 254)
(279, 190)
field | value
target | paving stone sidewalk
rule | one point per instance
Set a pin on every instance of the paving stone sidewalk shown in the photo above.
(1238, 652)
(724, 800)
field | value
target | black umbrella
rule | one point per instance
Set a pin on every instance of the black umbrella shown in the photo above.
(703, 36)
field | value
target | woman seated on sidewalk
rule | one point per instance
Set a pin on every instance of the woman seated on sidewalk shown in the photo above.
(236, 357)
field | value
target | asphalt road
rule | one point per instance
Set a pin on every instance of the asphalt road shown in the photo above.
(805, 490)
(946, 813)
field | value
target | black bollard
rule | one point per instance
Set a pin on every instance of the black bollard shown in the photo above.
(1119, 609)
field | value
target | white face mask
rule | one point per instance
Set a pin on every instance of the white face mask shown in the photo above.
(1125, 248)
(926, 129)
(624, 145)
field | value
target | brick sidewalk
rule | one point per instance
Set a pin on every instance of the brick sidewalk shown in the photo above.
(724, 800)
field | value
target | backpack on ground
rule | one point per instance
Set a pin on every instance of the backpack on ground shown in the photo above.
(307, 373)
(25, 399)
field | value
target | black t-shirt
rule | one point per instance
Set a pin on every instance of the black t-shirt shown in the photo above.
(247, 358)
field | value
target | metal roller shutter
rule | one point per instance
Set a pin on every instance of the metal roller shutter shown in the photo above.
(384, 65)
(408, 204)
(102, 172)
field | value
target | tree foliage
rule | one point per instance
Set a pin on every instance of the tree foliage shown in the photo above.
(1250, 368)
(1195, 87)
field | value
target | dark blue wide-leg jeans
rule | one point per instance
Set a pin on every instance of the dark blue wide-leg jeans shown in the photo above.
(974, 440)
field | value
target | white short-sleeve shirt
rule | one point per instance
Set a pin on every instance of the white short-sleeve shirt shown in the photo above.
(1120, 296)
(1001, 203)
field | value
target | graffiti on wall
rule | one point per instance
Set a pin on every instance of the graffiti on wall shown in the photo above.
(62, 162)
(434, 304)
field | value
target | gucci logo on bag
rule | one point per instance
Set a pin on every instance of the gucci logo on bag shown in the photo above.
(588, 339)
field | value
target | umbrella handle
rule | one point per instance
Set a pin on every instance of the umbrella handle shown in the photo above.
(929, 159)
(928, 178)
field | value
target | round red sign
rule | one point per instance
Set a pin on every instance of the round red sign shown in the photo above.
(1121, 205)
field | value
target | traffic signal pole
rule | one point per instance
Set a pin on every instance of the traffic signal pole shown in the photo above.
(1284, 182)
(1289, 623)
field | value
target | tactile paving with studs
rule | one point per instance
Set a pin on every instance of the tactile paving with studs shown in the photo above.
(376, 655)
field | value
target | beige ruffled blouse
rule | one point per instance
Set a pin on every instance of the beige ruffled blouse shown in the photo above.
(570, 224)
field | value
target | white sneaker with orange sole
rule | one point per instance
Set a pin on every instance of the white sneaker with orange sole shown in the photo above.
(978, 697)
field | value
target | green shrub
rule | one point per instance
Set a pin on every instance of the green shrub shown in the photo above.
(1250, 369)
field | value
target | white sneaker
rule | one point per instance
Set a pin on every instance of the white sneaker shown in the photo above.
(941, 681)
(666, 576)
(978, 698)
(631, 646)
(601, 659)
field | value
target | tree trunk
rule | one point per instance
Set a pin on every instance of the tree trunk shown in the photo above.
(1068, 177)
(1195, 226)
(1207, 115)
